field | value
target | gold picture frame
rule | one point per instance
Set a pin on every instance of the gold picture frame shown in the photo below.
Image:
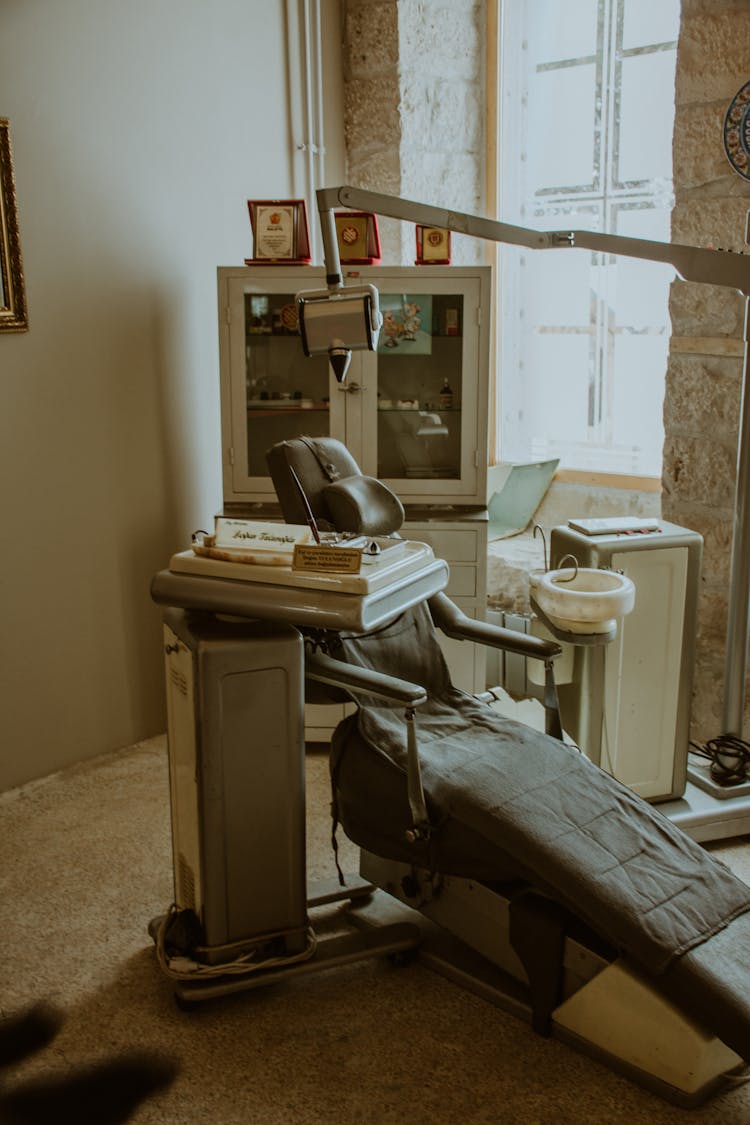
(13, 313)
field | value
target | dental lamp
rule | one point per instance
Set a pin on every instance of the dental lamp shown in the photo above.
(338, 320)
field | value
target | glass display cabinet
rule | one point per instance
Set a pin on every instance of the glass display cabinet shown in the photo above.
(413, 413)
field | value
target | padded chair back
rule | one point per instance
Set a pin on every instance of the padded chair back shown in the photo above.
(340, 496)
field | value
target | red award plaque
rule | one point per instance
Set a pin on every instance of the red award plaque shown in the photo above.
(280, 232)
(358, 237)
(433, 246)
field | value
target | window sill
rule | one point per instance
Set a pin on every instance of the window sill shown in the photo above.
(608, 480)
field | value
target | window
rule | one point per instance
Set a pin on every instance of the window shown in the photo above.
(585, 142)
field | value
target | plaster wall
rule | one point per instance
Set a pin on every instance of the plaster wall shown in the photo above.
(139, 131)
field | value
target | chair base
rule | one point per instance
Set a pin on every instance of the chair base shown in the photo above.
(391, 938)
(461, 930)
(607, 1010)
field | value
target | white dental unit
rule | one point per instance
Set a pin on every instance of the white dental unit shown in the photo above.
(238, 805)
(627, 704)
(236, 663)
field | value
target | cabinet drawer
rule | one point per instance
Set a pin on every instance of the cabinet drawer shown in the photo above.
(453, 546)
(321, 719)
(462, 581)
(467, 662)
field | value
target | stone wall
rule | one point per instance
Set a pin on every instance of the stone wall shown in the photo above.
(702, 398)
(414, 108)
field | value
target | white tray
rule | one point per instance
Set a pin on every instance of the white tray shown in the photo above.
(375, 575)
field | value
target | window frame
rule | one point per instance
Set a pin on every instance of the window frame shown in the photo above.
(613, 196)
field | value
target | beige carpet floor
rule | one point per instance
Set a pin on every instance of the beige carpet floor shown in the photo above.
(85, 863)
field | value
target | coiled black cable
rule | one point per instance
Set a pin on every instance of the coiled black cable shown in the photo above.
(729, 756)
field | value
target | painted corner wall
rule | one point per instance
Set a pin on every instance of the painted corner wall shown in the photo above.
(139, 130)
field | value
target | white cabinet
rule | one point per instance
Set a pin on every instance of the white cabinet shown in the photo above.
(460, 539)
(413, 413)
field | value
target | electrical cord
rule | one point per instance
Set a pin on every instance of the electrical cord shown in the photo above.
(729, 756)
(182, 966)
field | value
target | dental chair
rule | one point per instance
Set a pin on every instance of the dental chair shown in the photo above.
(545, 885)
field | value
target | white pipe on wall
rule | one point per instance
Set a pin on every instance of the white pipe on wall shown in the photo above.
(305, 63)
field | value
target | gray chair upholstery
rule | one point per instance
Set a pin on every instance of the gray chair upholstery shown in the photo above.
(508, 804)
(340, 496)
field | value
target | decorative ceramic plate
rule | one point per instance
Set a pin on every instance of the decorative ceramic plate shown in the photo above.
(737, 132)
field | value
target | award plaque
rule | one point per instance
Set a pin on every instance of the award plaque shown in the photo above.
(358, 237)
(433, 246)
(280, 231)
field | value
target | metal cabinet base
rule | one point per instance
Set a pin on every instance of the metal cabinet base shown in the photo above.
(236, 762)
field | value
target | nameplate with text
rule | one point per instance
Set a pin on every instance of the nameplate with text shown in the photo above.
(328, 560)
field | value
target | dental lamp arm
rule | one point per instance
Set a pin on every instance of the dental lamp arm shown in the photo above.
(343, 318)
(693, 263)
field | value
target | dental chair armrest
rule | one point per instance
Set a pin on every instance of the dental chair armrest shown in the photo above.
(324, 669)
(454, 623)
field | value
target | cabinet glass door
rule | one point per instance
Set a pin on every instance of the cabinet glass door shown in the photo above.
(285, 394)
(412, 413)
(421, 385)
(282, 394)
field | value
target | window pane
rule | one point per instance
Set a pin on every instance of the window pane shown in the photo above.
(558, 288)
(650, 21)
(641, 289)
(635, 361)
(557, 385)
(563, 31)
(585, 144)
(645, 135)
(561, 144)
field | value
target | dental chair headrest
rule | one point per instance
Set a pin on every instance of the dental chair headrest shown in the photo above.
(340, 496)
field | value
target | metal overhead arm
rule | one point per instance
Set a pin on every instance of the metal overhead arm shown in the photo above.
(692, 263)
